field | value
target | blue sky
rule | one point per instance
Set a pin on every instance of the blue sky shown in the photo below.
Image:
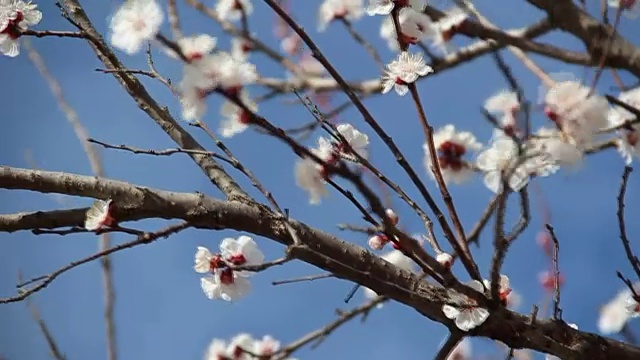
(161, 312)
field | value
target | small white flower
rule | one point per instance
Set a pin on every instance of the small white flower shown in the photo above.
(468, 315)
(241, 347)
(632, 306)
(629, 142)
(203, 260)
(505, 104)
(310, 175)
(241, 251)
(99, 215)
(377, 242)
(392, 216)
(216, 350)
(504, 288)
(267, 346)
(614, 314)
(231, 10)
(135, 22)
(384, 7)
(195, 47)
(226, 285)
(549, 150)
(15, 17)
(499, 158)
(576, 112)
(336, 9)
(451, 146)
(240, 48)
(445, 260)
(414, 27)
(462, 351)
(236, 119)
(193, 104)
(358, 141)
(404, 70)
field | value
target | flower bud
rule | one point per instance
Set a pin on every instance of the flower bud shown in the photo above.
(392, 216)
(445, 260)
(377, 242)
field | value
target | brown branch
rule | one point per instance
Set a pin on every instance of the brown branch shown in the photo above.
(557, 312)
(567, 16)
(43, 33)
(174, 20)
(452, 341)
(344, 260)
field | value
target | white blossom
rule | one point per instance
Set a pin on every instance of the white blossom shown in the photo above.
(445, 260)
(203, 260)
(231, 10)
(549, 150)
(505, 104)
(632, 306)
(216, 350)
(414, 27)
(404, 70)
(358, 142)
(501, 157)
(629, 141)
(451, 146)
(384, 7)
(193, 104)
(135, 22)
(310, 175)
(225, 284)
(377, 242)
(240, 48)
(241, 251)
(194, 47)
(15, 17)
(236, 119)
(98, 215)
(576, 112)
(504, 287)
(467, 314)
(339, 9)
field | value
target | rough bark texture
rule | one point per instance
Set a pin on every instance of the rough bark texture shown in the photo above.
(319, 248)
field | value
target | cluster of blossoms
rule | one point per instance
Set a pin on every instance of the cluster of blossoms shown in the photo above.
(311, 175)
(222, 281)
(415, 26)
(206, 69)
(15, 17)
(243, 347)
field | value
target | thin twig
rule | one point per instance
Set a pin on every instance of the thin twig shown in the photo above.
(453, 340)
(143, 239)
(303, 279)
(362, 41)
(633, 259)
(557, 311)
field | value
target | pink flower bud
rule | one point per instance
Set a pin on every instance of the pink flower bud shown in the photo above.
(377, 242)
(545, 242)
(548, 280)
(445, 260)
(392, 216)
